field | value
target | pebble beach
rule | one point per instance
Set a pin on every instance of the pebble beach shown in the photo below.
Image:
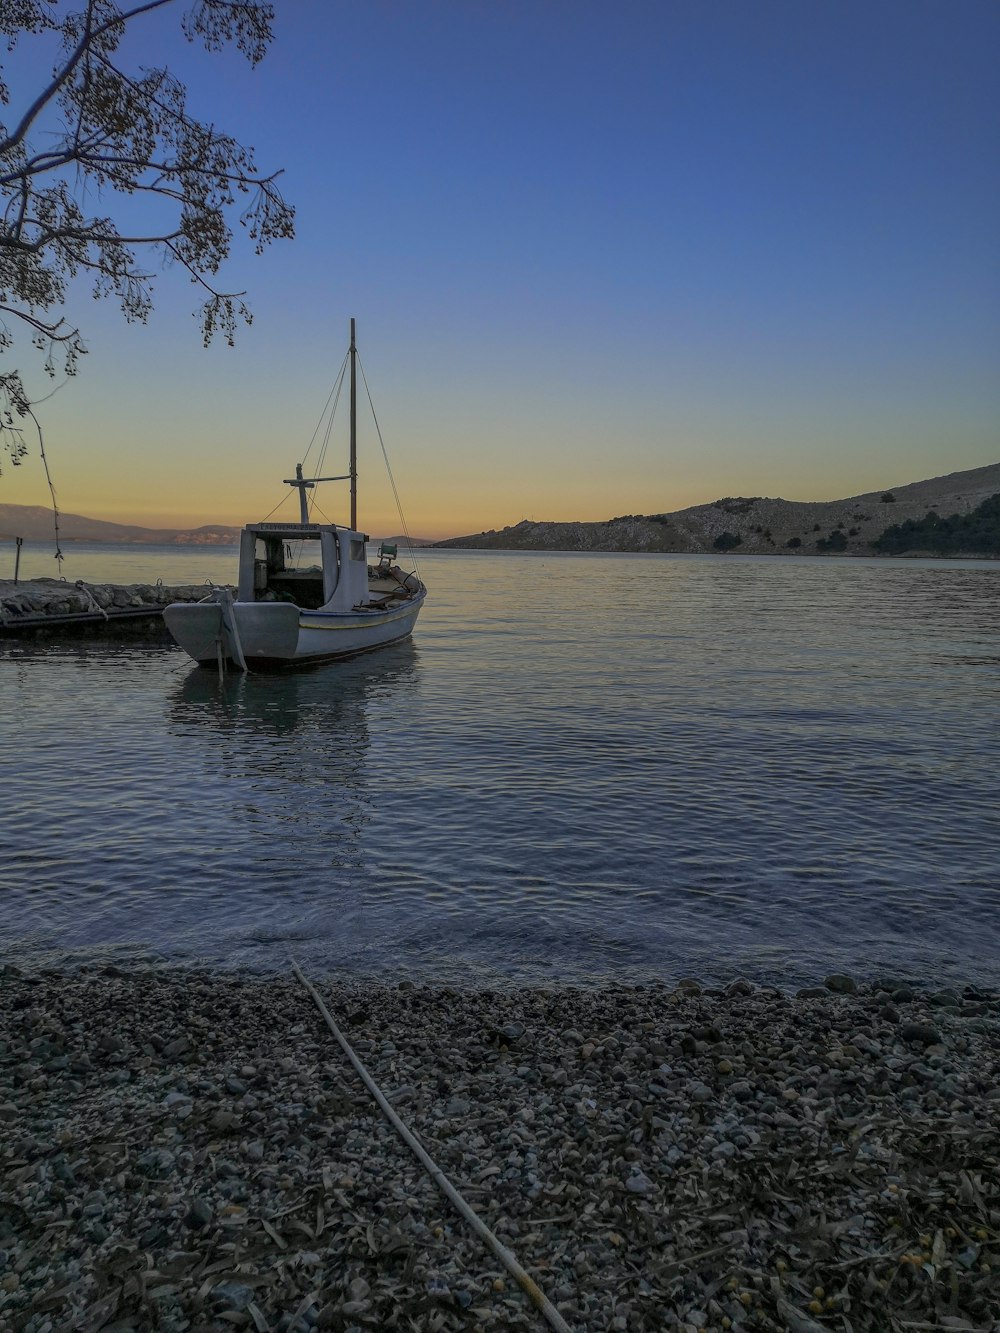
(183, 1150)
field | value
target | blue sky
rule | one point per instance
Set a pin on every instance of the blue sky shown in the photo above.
(603, 260)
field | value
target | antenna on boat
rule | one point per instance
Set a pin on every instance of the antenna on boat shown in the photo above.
(302, 485)
(354, 432)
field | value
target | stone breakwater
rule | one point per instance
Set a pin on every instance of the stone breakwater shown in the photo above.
(188, 1151)
(37, 602)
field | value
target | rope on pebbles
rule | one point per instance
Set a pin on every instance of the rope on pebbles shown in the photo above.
(531, 1288)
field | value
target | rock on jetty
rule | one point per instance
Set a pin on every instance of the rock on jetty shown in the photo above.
(189, 1151)
(45, 603)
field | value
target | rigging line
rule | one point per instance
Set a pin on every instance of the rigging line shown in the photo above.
(323, 515)
(330, 419)
(322, 460)
(392, 481)
(338, 385)
(322, 415)
(329, 433)
(287, 496)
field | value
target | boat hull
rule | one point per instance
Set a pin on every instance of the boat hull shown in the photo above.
(273, 635)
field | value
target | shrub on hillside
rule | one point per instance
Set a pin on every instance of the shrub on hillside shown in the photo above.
(835, 542)
(976, 533)
(727, 540)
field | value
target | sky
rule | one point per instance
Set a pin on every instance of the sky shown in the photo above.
(603, 260)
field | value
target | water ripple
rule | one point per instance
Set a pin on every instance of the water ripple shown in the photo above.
(583, 768)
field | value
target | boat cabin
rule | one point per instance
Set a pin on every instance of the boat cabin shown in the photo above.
(268, 574)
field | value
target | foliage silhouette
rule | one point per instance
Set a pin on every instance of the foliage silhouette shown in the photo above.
(100, 129)
(727, 540)
(975, 533)
(835, 542)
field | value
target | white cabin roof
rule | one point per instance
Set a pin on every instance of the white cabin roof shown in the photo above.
(301, 531)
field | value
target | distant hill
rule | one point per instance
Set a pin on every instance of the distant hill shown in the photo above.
(754, 525)
(405, 541)
(34, 523)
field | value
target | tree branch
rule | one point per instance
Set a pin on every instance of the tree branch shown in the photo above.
(81, 110)
(196, 276)
(39, 325)
(82, 46)
(54, 235)
(106, 130)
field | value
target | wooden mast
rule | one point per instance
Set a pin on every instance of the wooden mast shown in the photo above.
(354, 433)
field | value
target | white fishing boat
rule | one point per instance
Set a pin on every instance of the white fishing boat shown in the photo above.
(286, 612)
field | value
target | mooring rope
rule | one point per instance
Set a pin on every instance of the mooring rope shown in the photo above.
(59, 557)
(94, 603)
(526, 1283)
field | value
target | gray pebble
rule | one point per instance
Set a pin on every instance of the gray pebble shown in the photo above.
(233, 1295)
(924, 1034)
(841, 983)
(639, 1183)
(199, 1214)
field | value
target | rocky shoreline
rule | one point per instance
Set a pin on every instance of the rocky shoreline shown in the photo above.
(182, 1150)
(32, 605)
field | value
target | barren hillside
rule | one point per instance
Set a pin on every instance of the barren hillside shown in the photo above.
(763, 526)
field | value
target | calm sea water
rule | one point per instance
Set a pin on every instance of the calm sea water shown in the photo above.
(582, 768)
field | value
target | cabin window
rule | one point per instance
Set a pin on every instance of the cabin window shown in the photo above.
(304, 555)
(288, 571)
(358, 551)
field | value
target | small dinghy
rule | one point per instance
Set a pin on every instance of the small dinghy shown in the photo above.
(286, 613)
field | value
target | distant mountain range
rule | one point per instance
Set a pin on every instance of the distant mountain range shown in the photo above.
(754, 525)
(34, 523)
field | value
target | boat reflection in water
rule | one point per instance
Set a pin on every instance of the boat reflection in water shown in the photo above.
(297, 780)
